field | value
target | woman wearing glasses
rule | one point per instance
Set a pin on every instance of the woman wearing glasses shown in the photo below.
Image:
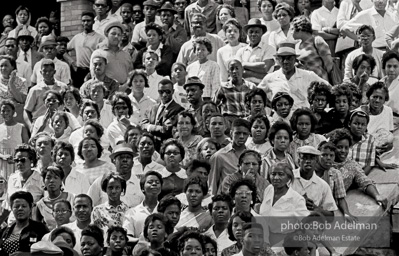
(25, 178)
(172, 152)
(243, 192)
(122, 110)
(187, 136)
(52, 177)
(112, 212)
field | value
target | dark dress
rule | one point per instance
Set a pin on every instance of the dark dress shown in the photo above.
(29, 235)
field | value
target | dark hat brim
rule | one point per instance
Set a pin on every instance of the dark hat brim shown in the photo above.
(248, 26)
(31, 38)
(202, 86)
(113, 155)
(167, 9)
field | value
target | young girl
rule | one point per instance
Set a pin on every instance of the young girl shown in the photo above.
(280, 136)
(281, 104)
(117, 241)
(43, 28)
(256, 102)
(179, 74)
(258, 140)
(319, 95)
(234, 31)
(303, 123)
(341, 101)
(23, 16)
(60, 123)
(206, 148)
(207, 70)
(266, 8)
(141, 103)
(11, 135)
(224, 12)
(363, 150)
(72, 100)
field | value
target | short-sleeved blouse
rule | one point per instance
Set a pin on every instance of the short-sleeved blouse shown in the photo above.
(5, 93)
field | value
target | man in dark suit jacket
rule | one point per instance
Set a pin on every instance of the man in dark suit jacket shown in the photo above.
(163, 116)
(26, 52)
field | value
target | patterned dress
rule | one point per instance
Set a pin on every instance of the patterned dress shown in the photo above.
(5, 93)
(106, 215)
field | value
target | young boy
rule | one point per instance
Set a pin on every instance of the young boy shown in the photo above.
(99, 63)
(206, 70)
(217, 128)
(34, 105)
(179, 74)
(225, 161)
(231, 96)
(150, 61)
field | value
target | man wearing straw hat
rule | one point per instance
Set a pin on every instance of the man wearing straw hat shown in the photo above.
(288, 78)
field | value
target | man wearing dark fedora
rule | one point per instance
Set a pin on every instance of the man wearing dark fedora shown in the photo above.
(26, 53)
(122, 157)
(194, 89)
(288, 78)
(257, 57)
(175, 34)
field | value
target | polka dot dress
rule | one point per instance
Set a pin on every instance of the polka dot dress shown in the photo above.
(11, 244)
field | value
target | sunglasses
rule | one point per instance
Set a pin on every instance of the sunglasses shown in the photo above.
(100, 5)
(22, 160)
(2, 181)
(164, 91)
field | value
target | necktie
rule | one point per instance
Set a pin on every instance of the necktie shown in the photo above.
(159, 117)
(25, 57)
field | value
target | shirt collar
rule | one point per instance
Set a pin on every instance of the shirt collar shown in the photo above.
(181, 174)
(229, 84)
(167, 104)
(122, 206)
(297, 174)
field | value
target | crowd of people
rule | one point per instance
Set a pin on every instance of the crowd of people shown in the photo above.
(173, 127)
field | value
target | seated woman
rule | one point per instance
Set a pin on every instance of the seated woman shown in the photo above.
(281, 200)
(90, 151)
(151, 185)
(363, 149)
(363, 66)
(17, 238)
(352, 172)
(303, 123)
(206, 148)
(190, 240)
(223, 13)
(155, 35)
(187, 136)
(256, 100)
(52, 101)
(92, 241)
(172, 152)
(283, 13)
(117, 242)
(381, 116)
(249, 168)
(72, 101)
(244, 195)
(43, 144)
(112, 212)
(280, 137)
(132, 136)
(282, 104)
(122, 110)
(341, 101)
(52, 177)
(195, 215)
(62, 212)
(258, 141)
(319, 96)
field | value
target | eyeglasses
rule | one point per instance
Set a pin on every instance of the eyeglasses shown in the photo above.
(164, 91)
(52, 101)
(175, 153)
(100, 5)
(21, 159)
(244, 193)
(61, 212)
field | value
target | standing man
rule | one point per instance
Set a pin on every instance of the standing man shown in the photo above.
(102, 19)
(206, 7)
(84, 45)
(194, 89)
(62, 70)
(198, 29)
(24, 70)
(82, 207)
(26, 53)
(119, 63)
(314, 189)
(175, 34)
(163, 117)
(139, 38)
(122, 158)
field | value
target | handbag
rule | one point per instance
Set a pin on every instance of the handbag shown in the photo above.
(335, 76)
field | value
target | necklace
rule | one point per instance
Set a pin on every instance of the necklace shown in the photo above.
(53, 199)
